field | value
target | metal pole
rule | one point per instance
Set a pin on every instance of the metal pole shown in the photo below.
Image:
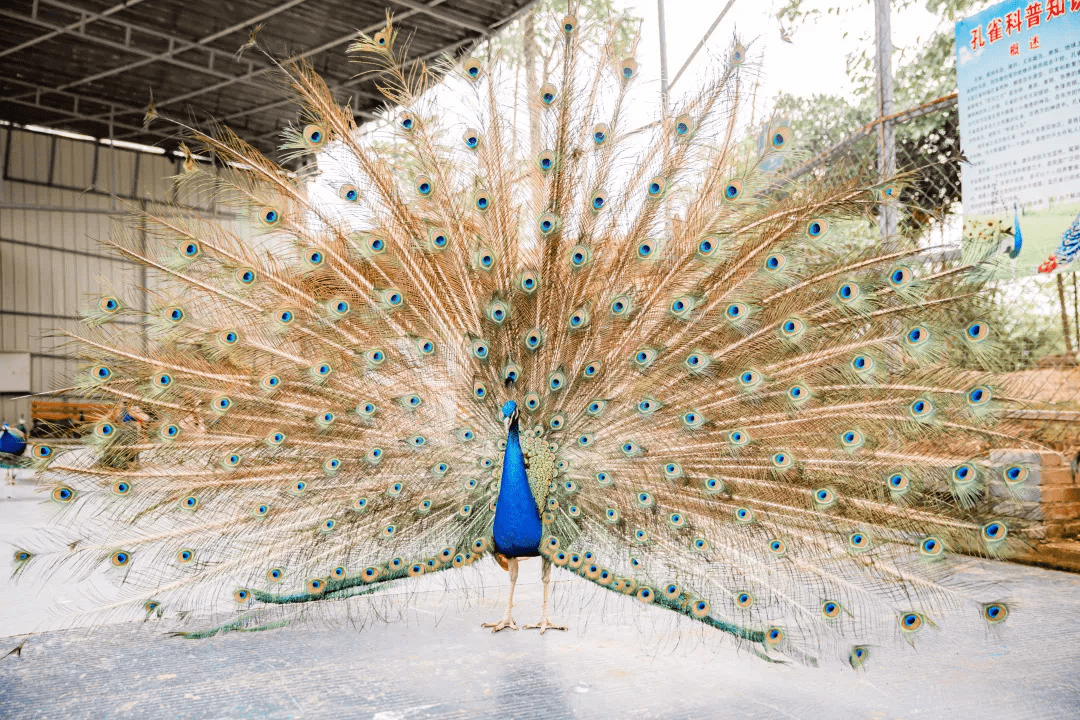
(1064, 313)
(663, 55)
(701, 43)
(886, 130)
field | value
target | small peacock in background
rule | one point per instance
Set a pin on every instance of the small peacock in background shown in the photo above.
(1066, 251)
(635, 355)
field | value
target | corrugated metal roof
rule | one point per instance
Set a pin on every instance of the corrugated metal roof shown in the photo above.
(81, 65)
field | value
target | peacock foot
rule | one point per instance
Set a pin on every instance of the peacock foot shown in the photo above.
(544, 625)
(506, 622)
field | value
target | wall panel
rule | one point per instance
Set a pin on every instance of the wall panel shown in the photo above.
(55, 207)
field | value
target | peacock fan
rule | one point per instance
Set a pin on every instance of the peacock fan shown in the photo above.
(638, 355)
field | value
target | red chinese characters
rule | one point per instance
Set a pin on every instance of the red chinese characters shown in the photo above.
(1013, 22)
(993, 30)
(1014, 49)
(1032, 14)
(1054, 8)
(1033, 43)
(976, 38)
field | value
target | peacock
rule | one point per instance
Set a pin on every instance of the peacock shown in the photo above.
(628, 351)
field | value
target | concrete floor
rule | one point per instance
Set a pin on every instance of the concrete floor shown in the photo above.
(434, 660)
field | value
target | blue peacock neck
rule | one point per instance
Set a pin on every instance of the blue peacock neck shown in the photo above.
(517, 530)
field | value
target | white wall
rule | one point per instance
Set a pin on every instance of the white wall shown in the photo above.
(55, 204)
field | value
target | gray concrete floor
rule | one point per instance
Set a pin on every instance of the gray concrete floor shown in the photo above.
(433, 660)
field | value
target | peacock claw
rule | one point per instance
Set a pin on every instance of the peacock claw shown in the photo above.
(506, 622)
(544, 625)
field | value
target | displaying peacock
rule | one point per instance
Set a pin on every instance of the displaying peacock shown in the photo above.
(638, 355)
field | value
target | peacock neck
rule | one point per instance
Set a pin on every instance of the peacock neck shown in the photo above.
(517, 529)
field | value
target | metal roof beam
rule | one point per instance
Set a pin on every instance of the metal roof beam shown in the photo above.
(184, 46)
(74, 115)
(349, 83)
(452, 18)
(84, 15)
(299, 56)
(345, 85)
(118, 46)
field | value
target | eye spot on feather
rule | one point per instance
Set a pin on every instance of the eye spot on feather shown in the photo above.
(533, 338)
(600, 133)
(1016, 474)
(109, 304)
(931, 547)
(628, 68)
(995, 613)
(713, 486)
(817, 228)
(779, 137)
(472, 68)
(830, 609)
(775, 263)
(749, 378)
(190, 249)
(269, 217)
(910, 621)
(994, 531)
(580, 255)
(545, 161)
(548, 93)
(859, 541)
(684, 125)
(777, 547)
(174, 315)
(733, 189)
(862, 364)
(964, 474)
(598, 200)
(977, 332)
(120, 558)
(979, 396)
(900, 276)
(921, 409)
(63, 494)
(314, 135)
(744, 515)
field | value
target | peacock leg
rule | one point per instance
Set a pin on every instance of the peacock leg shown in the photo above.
(508, 621)
(545, 623)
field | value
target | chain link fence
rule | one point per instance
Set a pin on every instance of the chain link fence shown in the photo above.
(1036, 316)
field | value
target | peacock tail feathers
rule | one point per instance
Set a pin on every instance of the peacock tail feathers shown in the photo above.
(728, 409)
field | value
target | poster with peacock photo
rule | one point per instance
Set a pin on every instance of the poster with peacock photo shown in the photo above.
(1019, 98)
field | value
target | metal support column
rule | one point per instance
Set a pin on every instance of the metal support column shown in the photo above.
(886, 131)
(663, 55)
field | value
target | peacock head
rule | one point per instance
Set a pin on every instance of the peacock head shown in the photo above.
(509, 413)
